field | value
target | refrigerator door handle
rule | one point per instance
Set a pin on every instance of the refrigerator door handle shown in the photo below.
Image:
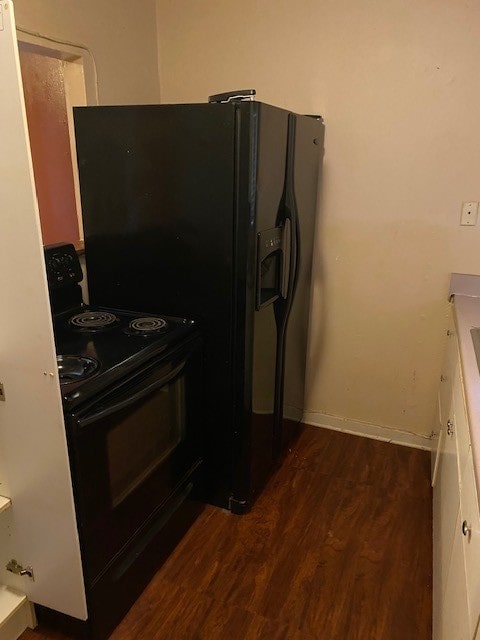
(286, 256)
(283, 306)
(291, 204)
(289, 216)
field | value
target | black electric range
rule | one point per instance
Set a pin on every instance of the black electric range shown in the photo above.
(97, 346)
(131, 386)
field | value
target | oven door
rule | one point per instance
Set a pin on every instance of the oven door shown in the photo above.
(131, 448)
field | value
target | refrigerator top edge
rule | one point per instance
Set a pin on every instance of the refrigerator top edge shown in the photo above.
(205, 105)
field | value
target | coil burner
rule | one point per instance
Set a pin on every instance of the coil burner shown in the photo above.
(147, 326)
(93, 320)
(74, 368)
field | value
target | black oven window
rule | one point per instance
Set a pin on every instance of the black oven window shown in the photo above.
(144, 437)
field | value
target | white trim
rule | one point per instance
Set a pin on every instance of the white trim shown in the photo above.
(367, 430)
(75, 95)
(66, 51)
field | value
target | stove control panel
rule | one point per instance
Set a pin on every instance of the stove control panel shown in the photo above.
(63, 265)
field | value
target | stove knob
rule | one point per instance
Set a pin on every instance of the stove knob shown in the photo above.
(55, 264)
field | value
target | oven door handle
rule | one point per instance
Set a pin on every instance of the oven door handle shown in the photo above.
(117, 406)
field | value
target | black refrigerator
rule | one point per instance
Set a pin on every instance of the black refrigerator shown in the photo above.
(207, 211)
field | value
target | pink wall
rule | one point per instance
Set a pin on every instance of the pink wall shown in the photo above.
(44, 90)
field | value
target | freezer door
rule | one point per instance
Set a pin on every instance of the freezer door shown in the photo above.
(275, 282)
(157, 186)
(259, 266)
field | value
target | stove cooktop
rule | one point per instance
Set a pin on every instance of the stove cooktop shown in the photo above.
(116, 341)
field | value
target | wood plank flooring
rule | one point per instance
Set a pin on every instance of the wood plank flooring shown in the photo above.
(338, 547)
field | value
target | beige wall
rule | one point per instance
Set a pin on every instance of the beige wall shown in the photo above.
(399, 87)
(120, 34)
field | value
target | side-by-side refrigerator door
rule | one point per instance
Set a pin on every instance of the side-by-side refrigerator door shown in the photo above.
(264, 266)
(305, 150)
(277, 214)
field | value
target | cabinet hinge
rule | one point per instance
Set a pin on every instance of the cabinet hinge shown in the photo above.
(450, 428)
(14, 567)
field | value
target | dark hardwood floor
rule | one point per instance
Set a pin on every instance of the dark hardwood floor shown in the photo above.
(338, 547)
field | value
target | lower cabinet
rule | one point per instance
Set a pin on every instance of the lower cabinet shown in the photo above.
(454, 620)
(470, 533)
(456, 520)
(16, 614)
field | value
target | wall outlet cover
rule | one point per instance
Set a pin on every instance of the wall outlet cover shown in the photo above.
(469, 214)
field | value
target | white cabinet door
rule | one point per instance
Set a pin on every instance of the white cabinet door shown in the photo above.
(446, 501)
(35, 470)
(449, 368)
(454, 620)
(470, 528)
(460, 424)
(445, 392)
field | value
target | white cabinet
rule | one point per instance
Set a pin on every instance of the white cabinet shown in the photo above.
(470, 528)
(454, 622)
(39, 529)
(16, 612)
(456, 521)
(446, 493)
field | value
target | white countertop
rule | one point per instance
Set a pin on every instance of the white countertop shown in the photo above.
(467, 316)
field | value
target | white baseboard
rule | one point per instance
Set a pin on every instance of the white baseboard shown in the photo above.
(367, 430)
